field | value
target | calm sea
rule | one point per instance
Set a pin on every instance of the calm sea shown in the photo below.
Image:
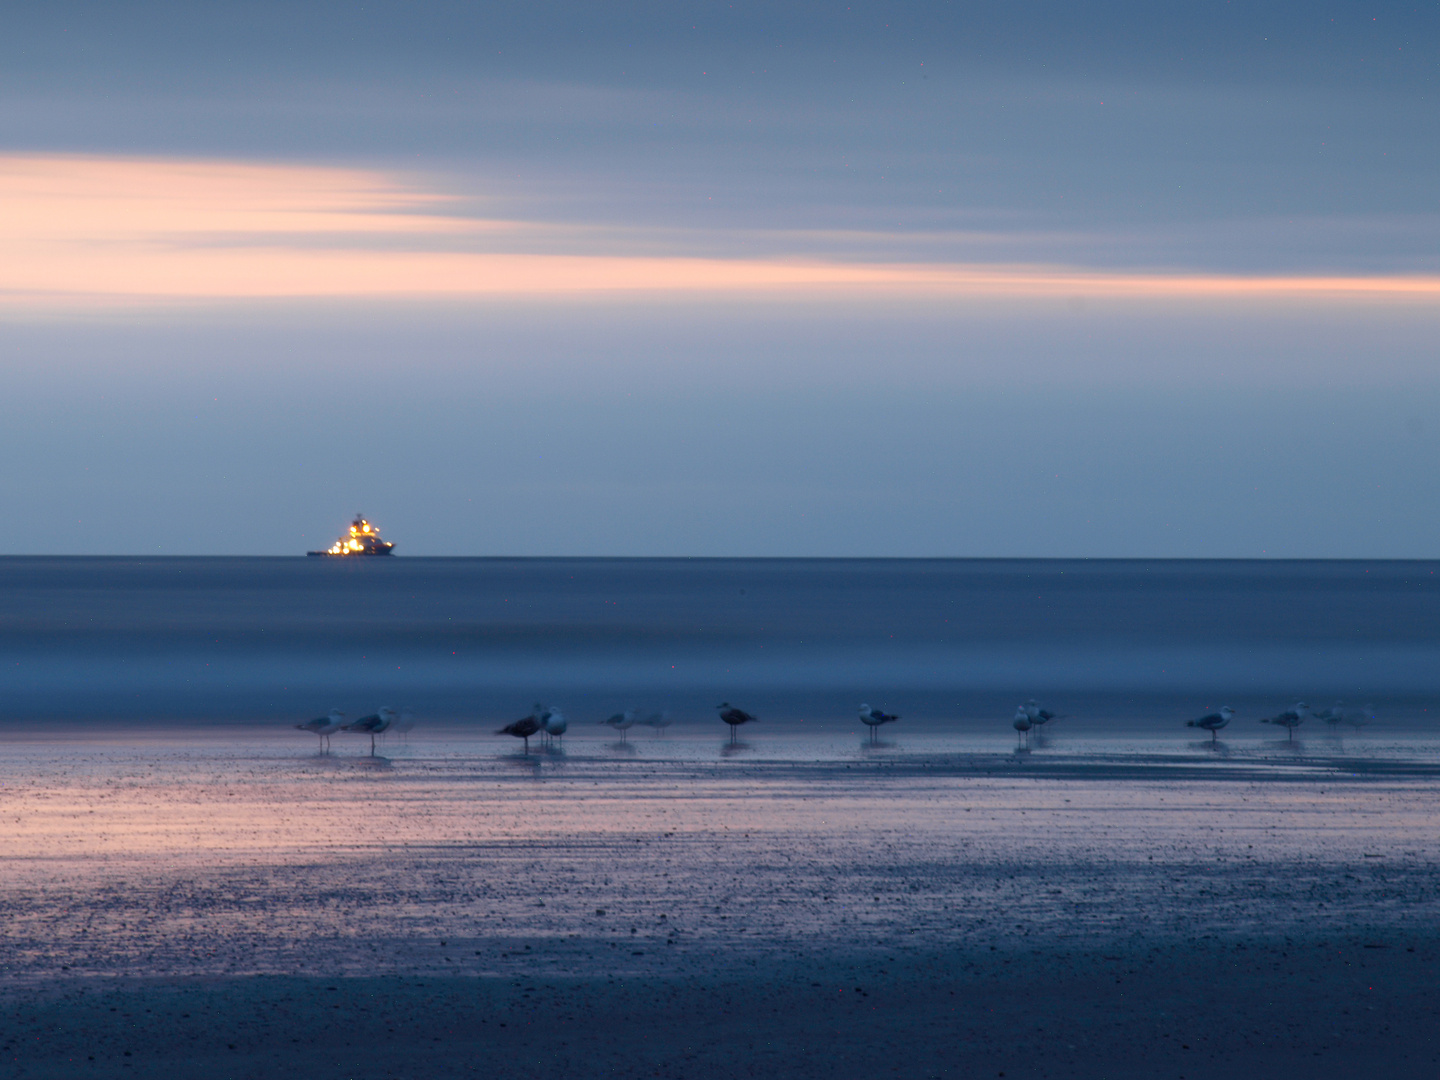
(943, 641)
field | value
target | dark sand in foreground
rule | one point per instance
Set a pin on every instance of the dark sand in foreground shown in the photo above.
(1302, 1009)
(181, 912)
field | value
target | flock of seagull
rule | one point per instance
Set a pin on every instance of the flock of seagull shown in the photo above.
(377, 723)
(547, 721)
(1031, 717)
(550, 724)
(1289, 719)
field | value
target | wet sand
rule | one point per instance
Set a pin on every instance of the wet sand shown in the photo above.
(1192, 1009)
(186, 905)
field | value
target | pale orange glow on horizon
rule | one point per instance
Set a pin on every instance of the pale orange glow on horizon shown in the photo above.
(105, 231)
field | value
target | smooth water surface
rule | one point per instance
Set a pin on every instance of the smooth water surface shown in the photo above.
(952, 641)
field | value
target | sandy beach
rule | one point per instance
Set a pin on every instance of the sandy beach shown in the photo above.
(237, 906)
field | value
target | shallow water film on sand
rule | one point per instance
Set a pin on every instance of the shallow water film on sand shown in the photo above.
(211, 892)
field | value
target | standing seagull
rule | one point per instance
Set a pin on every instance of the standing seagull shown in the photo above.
(621, 722)
(1333, 715)
(1359, 718)
(1038, 717)
(541, 713)
(735, 717)
(522, 729)
(553, 723)
(1290, 719)
(1022, 725)
(373, 725)
(659, 721)
(324, 726)
(874, 718)
(1213, 722)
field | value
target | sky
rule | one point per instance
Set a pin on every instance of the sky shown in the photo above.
(712, 279)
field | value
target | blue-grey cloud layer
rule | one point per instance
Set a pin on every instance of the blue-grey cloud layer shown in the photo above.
(914, 117)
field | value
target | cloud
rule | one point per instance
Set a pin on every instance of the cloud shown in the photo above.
(108, 231)
(96, 202)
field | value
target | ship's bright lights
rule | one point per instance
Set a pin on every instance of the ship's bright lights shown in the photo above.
(363, 539)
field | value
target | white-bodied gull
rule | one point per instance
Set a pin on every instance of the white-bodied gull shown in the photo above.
(873, 718)
(1358, 718)
(1022, 725)
(1213, 722)
(1038, 717)
(374, 724)
(659, 720)
(1332, 716)
(1290, 719)
(621, 722)
(553, 723)
(324, 726)
(541, 712)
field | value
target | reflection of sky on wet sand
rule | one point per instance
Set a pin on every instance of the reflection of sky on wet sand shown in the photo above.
(249, 852)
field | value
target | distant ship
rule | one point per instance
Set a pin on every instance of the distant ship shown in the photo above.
(364, 539)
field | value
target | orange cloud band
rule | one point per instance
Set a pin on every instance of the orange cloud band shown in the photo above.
(274, 272)
(88, 230)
